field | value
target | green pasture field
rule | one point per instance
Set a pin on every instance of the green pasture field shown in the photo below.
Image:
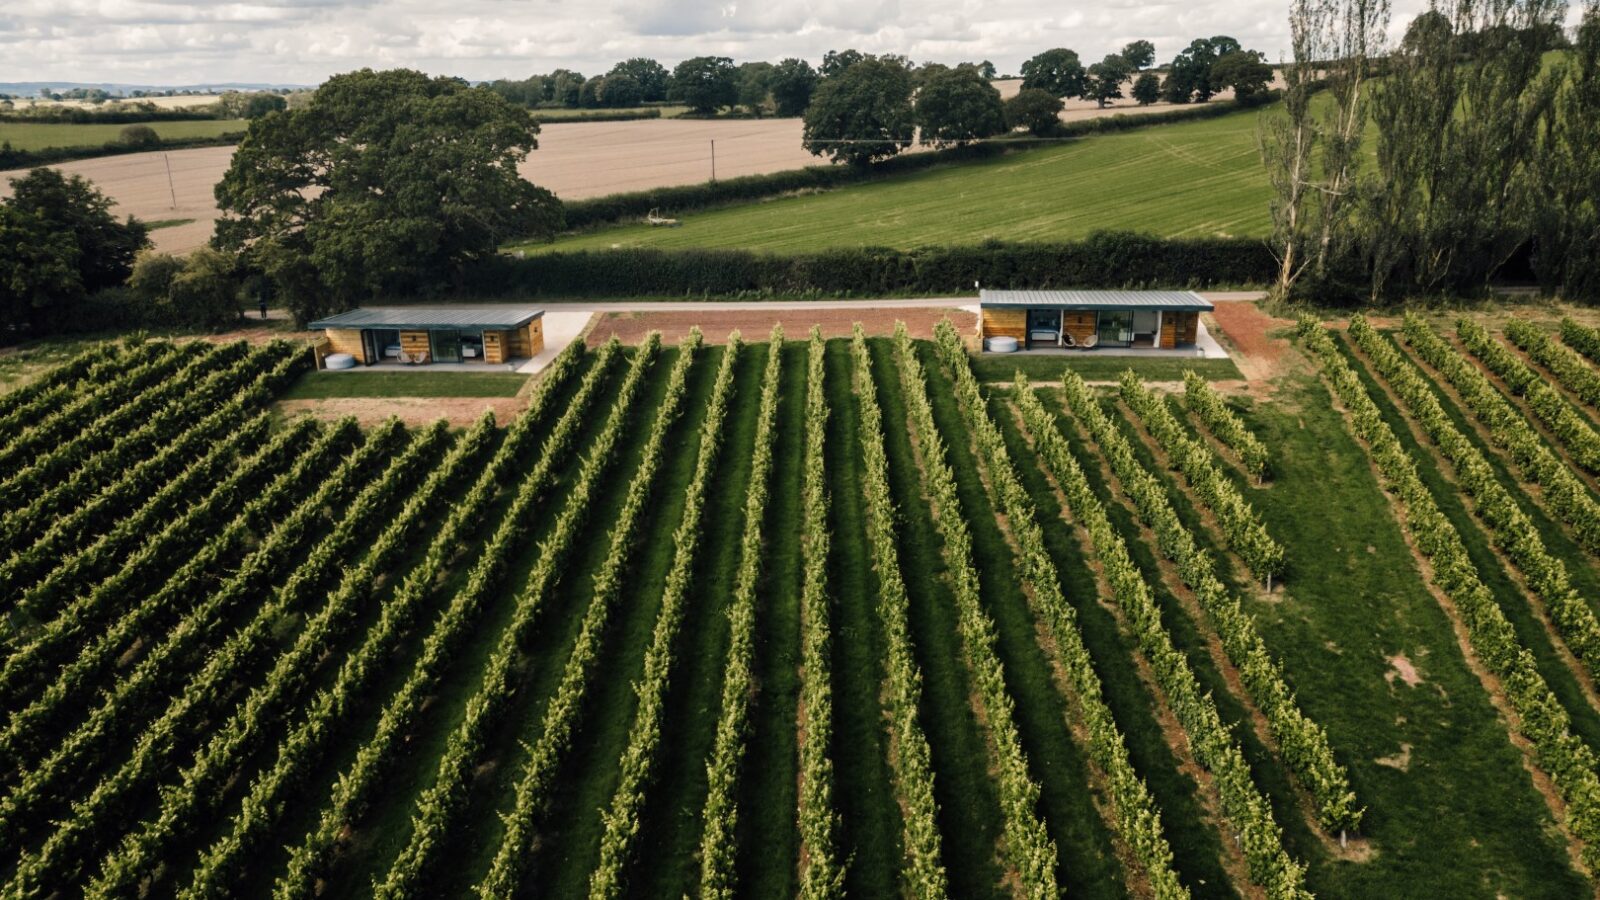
(326, 385)
(50, 135)
(1369, 652)
(1188, 179)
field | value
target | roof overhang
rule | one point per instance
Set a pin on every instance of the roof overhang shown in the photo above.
(424, 318)
(1167, 301)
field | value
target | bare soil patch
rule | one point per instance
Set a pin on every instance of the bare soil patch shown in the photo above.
(1401, 760)
(1244, 326)
(755, 324)
(413, 411)
(1401, 667)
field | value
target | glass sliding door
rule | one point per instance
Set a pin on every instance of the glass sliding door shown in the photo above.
(1116, 328)
(446, 346)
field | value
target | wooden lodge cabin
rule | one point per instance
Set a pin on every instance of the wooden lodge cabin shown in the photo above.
(1038, 320)
(421, 335)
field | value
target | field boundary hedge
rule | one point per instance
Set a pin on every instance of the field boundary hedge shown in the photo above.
(1105, 259)
(12, 158)
(568, 117)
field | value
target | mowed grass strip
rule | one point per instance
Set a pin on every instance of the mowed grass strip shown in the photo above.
(666, 862)
(332, 385)
(385, 828)
(1358, 610)
(569, 836)
(969, 805)
(870, 816)
(1196, 843)
(1086, 865)
(1191, 179)
(769, 839)
(50, 135)
(1492, 568)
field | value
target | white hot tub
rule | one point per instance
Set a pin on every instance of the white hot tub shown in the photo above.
(1000, 344)
(339, 361)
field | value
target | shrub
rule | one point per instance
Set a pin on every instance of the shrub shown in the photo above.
(141, 136)
(1037, 110)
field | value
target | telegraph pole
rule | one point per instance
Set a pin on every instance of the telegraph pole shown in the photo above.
(713, 160)
(170, 189)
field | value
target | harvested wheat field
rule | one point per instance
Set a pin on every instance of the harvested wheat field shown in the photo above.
(576, 160)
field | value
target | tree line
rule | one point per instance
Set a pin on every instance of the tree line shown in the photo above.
(869, 108)
(709, 84)
(1484, 165)
(230, 105)
(397, 182)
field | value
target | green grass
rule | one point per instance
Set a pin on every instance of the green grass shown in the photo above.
(1086, 864)
(1196, 846)
(769, 845)
(1093, 367)
(570, 840)
(667, 864)
(969, 804)
(1191, 179)
(387, 826)
(329, 385)
(1355, 598)
(159, 224)
(869, 836)
(1461, 818)
(50, 135)
(556, 115)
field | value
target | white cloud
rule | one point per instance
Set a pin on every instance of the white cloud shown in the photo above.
(173, 42)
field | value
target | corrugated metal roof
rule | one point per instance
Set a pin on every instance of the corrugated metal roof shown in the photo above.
(1186, 301)
(420, 317)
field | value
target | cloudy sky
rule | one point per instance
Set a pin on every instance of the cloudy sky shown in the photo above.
(304, 41)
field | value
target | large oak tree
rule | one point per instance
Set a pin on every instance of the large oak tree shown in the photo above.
(386, 182)
(862, 114)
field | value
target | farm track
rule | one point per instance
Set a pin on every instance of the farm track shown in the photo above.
(473, 662)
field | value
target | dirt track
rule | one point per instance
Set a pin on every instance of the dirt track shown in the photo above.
(755, 325)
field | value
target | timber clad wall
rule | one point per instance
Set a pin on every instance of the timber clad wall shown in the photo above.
(1178, 328)
(494, 346)
(348, 341)
(413, 343)
(527, 341)
(1006, 323)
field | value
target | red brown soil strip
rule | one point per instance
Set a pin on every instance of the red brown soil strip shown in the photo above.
(1244, 326)
(755, 324)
